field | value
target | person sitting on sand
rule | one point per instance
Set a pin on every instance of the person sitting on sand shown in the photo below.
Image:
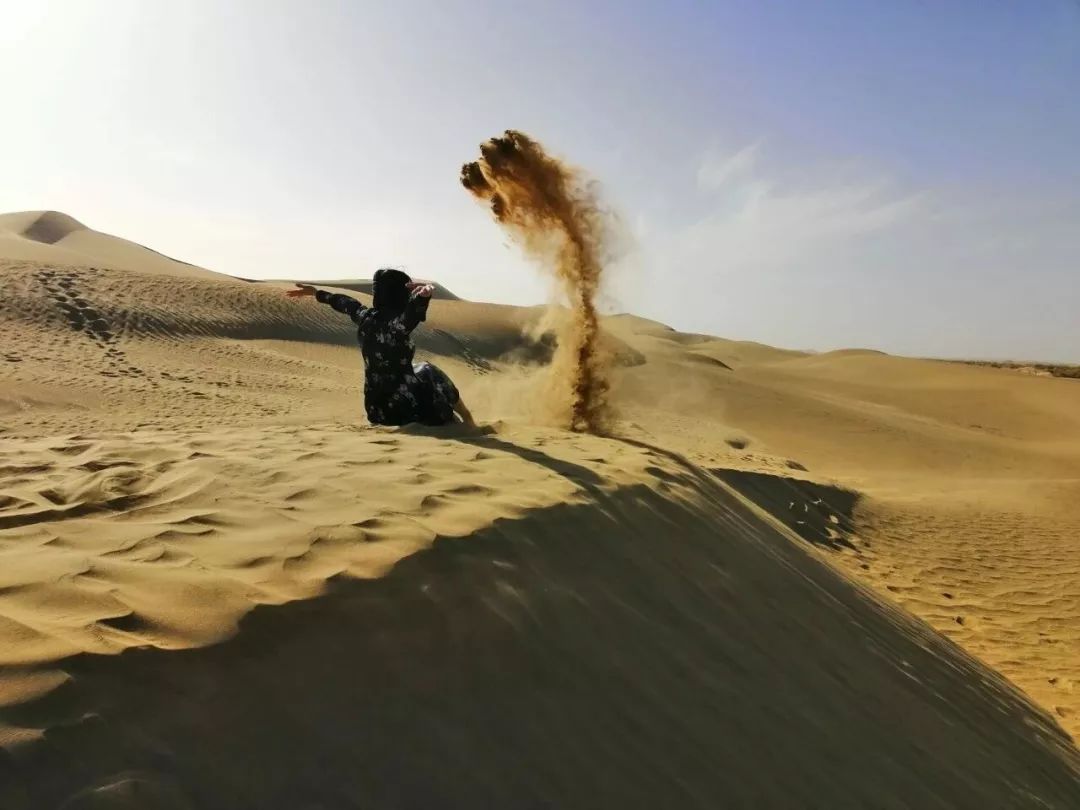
(396, 392)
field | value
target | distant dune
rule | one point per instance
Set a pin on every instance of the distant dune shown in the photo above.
(843, 580)
(52, 237)
(1029, 367)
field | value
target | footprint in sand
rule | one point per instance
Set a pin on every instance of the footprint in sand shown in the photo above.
(82, 317)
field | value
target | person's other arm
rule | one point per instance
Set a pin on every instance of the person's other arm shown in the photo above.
(416, 309)
(344, 304)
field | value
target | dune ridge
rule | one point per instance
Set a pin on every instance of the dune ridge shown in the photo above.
(51, 236)
(49, 227)
(490, 636)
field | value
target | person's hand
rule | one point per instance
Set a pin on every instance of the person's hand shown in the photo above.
(421, 288)
(301, 291)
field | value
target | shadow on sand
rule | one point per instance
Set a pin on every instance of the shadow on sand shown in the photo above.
(637, 651)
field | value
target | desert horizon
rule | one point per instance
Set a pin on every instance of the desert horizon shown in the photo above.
(64, 222)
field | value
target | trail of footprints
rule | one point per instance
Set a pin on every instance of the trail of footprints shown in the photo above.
(63, 288)
(82, 317)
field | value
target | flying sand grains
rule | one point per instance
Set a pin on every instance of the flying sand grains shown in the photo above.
(553, 213)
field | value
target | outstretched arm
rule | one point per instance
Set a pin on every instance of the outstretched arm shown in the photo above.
(342, 303)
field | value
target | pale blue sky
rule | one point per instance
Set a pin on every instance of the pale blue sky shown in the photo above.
(902, 175)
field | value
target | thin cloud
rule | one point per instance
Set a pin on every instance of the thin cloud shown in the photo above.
(834, 255)
(717, 170)
(747, 219)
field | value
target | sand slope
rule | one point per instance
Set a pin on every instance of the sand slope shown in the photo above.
(218, 588)
(49, 236)
(965, 483)
(575, 654)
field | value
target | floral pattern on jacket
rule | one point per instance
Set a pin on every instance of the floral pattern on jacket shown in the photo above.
(392, 392)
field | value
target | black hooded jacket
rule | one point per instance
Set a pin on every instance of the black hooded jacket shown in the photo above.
(392, 393)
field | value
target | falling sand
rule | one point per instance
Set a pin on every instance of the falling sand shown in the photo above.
(553, 212)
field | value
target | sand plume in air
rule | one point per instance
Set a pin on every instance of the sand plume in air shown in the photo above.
(552, 211)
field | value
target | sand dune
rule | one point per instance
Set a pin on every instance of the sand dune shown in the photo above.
(573, 654)
(49, 236)
(790, 580)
